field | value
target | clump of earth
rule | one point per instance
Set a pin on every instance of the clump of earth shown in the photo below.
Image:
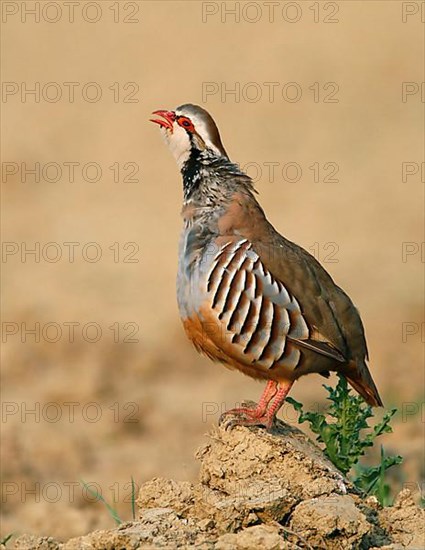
(274, 491)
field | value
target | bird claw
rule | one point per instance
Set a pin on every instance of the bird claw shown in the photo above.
(244, 417)
(235, 417)
(227, 422)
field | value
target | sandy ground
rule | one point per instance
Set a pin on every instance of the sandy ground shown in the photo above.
(274, 491)
(106, 387)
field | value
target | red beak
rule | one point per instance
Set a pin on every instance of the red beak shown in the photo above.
(168, 116)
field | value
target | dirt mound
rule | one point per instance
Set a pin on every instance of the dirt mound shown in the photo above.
(258, 490)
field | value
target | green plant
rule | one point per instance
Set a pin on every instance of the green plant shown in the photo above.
(6, 539)
(370, 479)
(99, 498)
(112, 511)
(341, 431)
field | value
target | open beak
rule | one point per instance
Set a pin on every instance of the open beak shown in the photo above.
(168, 116)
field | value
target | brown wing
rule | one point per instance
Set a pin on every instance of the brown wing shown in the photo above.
(334, 322)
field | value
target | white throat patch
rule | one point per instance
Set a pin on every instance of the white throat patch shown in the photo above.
(178, 142)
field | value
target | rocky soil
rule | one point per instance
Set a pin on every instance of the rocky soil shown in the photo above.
(272, 491)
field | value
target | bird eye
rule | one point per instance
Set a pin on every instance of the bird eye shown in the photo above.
(186, 123)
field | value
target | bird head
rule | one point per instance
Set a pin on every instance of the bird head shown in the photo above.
(189, 129)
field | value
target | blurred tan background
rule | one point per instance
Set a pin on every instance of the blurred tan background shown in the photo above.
(108, 410)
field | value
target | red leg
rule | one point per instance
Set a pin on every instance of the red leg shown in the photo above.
(269, 392)
(263, 414)
(277, 403)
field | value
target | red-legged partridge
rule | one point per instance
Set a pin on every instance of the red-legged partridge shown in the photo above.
(248, 297)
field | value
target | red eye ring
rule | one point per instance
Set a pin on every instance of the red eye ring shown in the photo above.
(185, 123)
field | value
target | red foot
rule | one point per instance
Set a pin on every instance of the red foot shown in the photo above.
(248, 417)
(262, 414)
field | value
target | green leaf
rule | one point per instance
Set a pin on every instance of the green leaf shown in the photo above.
(6, 539)
(112, 512)
(297, 406)
(133, 498)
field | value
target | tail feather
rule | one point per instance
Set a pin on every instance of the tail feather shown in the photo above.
(361, 380)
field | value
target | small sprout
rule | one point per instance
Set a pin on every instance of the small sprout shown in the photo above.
(133, 498)
(6, 539)
(112, 512)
